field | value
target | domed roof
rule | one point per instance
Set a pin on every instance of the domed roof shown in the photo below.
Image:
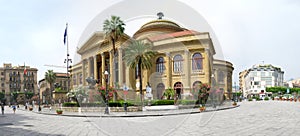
(159, 25)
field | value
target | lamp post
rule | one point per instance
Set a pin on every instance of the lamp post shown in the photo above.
(39, 89)
(235, 92)
(25, 99)
(106, 74)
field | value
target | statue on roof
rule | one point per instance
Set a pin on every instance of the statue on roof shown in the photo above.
(160, 15)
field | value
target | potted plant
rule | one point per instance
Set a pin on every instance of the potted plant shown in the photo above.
(234, 103)
(202, 108)
(59, 111)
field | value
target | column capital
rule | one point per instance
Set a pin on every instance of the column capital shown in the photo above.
(102, 54)
(186, 51)
(168, 54)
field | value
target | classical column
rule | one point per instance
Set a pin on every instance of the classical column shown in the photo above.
(83, 71)
(89, 72)
(102, 67)
(127, 79)
(168, 69)
(208, 65)
(111, 72)
(187, 69)
(120, 53)
(95, 67)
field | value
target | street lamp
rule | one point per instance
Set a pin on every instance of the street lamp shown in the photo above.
(25, 99)
(39, 89)
(106, 74)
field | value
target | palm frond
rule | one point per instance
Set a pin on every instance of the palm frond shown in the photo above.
(136, 51)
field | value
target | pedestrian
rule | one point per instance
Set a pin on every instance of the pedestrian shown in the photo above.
(14, 108)
(2, 108)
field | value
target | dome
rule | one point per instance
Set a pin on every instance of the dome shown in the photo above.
(156, 27)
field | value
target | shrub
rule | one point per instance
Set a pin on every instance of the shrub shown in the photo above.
(257, 99)
(250, 99)
(266, 98)
(70, 104)
(187, 102)
(163, 102)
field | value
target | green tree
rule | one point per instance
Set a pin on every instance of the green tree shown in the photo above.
(50, 77)
(29, 95)
(2, 96)
(169, 93)
(138, 56)
(113, 30)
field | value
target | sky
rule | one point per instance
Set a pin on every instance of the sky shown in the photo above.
(249, 31)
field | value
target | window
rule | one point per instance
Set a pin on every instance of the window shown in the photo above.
(262, 74)
(220, 77)
(178, 64)
(2, 84)
(2, 73)
(160, 65)
(256, 83)
(197, 62)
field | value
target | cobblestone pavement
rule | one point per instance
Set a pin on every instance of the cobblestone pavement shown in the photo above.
(251, 118)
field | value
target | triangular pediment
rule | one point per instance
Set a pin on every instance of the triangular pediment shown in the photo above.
(92, 42)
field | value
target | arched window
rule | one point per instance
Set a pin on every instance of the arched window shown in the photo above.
(178, 64)
(160, 65)
(197, 62)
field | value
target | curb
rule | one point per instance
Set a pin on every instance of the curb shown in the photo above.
(141, 115)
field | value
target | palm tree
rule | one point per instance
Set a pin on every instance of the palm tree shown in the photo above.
(50, 77)
(138, 55)
(113, 29)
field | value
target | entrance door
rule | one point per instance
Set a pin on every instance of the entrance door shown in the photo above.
(160, 89)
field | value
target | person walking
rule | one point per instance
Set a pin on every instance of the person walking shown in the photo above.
(2, 108)
(14, 108)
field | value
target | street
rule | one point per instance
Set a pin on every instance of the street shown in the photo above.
(251, 118)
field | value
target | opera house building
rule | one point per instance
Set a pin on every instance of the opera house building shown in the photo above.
(184, 58)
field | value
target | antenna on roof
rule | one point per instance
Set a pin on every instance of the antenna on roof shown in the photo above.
(160, 15)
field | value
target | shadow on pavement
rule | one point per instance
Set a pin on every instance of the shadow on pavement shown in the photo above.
(15, 125)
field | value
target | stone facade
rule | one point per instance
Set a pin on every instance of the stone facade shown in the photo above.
(184, 57)
(14, 79)
(61, 80)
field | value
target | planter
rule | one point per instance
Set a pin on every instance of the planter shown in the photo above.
(59, 112)
(295, 100)
(30, 108)
(234, 104)
(202, 109)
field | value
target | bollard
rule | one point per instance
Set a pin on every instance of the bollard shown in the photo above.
(125, 107)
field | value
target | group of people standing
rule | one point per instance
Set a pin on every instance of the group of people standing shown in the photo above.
(3, 106)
